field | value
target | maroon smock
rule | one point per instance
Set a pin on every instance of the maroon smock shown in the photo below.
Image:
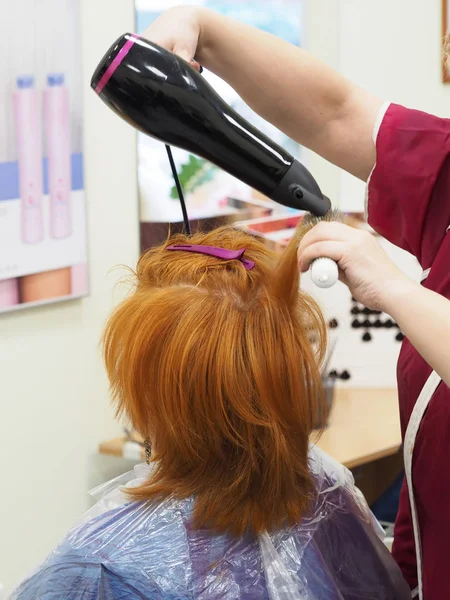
(409, 204)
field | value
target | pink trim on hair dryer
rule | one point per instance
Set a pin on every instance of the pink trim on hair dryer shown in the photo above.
(115, 64)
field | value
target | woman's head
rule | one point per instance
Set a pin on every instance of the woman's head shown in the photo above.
(215, 365)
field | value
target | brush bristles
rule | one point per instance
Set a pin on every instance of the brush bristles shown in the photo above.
(309, 220)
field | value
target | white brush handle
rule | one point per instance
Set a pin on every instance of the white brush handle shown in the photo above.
(324, 272)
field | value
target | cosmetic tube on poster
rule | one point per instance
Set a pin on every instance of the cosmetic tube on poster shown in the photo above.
(9, 293)
(27, 116)
(57, 127)
(80, 279)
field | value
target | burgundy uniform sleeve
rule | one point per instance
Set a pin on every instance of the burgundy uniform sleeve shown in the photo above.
(408, 194)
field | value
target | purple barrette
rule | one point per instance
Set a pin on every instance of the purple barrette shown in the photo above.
(217, 252)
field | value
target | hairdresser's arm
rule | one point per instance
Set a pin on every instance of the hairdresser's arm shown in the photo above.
(424, 317)
(299, 94)
(375, 281)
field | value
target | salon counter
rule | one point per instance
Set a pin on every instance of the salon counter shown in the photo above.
(364, 426)
(363, 434)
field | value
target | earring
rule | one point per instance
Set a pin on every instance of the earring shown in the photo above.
(148, 451)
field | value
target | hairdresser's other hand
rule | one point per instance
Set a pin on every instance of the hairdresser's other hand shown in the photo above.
(178, 30)
(363, 265)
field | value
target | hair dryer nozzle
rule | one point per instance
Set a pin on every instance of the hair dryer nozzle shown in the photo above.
(298, 189)
(161, 95)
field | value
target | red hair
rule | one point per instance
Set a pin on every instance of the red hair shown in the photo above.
(216, 366)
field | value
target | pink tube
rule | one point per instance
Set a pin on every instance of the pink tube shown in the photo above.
(80, 279)
(57, 126)
(29, 145)
(9, 292)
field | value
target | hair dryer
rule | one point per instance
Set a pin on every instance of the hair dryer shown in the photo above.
(161, 95)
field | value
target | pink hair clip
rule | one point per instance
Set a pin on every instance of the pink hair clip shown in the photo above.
(217, 252)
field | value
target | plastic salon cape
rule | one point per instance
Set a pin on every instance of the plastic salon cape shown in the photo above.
(128, 550)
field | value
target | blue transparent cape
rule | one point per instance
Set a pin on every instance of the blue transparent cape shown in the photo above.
(127, 550)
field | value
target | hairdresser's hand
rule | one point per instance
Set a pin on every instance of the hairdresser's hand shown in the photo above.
(178, 30)
(363, 265)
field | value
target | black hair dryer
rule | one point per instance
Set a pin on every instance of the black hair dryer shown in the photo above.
(161, 95)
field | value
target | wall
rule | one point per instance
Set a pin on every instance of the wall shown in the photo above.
(54, 397)
(401, 58)
(401, 42)
(322, 39)
(390, 47)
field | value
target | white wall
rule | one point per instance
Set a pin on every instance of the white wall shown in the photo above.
(322, 38)
(393, 49)
(54, 398)
(390, 47)
(406, 70)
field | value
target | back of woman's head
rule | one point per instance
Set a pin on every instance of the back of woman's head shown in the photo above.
(216, 365)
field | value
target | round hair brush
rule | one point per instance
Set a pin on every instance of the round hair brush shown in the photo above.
(324, 271)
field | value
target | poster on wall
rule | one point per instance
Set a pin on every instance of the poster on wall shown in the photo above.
(43, 245)
(446, 44)
(213, 197)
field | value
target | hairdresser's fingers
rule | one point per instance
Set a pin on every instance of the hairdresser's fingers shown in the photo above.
(178, 48)
(336, 250)
(183, 47)
(364, 266)
(177, 30)
(186, 52)
(328, 231)
(197, 66)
